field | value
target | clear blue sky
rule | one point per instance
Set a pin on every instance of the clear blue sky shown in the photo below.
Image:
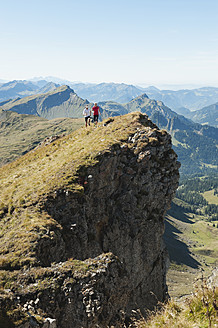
(150, 42)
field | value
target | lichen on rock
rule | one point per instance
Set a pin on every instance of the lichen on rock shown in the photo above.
(104, 202)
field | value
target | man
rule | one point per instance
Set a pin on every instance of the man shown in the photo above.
(96, 111)
(87, 114)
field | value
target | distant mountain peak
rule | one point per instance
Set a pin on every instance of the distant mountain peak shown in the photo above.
(140, 98)
(152, 88)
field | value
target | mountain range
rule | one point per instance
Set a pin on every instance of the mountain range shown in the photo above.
(201, 101)
(195, 144)
(180, 101)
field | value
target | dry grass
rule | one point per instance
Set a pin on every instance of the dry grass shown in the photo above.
(197, 311)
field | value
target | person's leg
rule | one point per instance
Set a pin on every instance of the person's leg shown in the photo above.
(86, 121)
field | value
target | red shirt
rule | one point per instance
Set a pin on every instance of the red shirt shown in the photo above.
(95, 110)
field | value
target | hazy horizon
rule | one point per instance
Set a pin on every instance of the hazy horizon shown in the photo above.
(173, 87)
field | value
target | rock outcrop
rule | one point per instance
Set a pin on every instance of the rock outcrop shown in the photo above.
(103, 255)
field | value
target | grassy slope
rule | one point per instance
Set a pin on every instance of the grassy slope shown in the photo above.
(20, 133)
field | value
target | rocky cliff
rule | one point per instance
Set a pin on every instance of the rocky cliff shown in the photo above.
(82, 222)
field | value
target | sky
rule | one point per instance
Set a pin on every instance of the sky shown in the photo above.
(140, 42)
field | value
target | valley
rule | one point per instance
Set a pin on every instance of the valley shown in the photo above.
(191, 234)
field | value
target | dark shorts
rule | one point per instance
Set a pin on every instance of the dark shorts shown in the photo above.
(95, 118)
(86, 118)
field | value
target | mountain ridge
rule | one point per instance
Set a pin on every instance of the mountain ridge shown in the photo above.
(180, 101)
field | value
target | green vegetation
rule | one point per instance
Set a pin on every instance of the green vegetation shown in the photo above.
(211, 196)
(38, 281)
(29, 181)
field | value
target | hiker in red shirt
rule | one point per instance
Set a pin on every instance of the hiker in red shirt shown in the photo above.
(96, 111)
